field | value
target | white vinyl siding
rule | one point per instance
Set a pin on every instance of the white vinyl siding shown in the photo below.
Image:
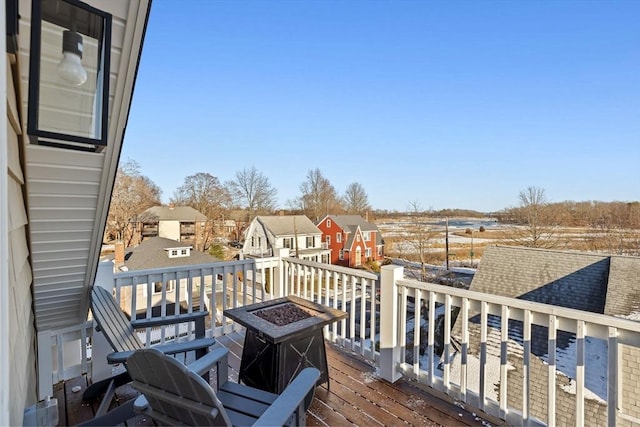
(16, 302)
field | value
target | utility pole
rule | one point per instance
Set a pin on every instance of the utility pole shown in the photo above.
(446, 241)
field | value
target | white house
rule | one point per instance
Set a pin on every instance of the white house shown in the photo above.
(266, 234)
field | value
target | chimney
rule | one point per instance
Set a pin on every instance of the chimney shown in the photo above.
(119, 253)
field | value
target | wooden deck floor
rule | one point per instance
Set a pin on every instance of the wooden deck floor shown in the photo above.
(356, 397)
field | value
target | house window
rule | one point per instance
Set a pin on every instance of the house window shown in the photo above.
(341, 255)
(358, 238)
(311, 241)
(367, 252)
(174, 252)
(287, 243)
(379, 250)
(339, 237)
(367, 236)
(183, 252)
(328, 240)
(328, 223)
(253, 241)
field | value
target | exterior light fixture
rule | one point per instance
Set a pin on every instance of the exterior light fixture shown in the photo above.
(70, 67)
(69, 93)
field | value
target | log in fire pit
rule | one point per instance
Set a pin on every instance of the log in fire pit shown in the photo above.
(283, 336)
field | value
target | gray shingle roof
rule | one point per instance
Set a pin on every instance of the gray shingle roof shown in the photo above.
(353, 221)
(591, 282)
(350, 223)
(152, 253)
(281, 225)
(545, 276)
(178, 213)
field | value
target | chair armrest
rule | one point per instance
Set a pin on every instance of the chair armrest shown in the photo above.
(140, 404)
(291, 399)
(118, 356)
(208, 361)
(168, 320)
(169, 348)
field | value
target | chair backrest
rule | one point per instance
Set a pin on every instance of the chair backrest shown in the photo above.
(176, 395)
(115, 326)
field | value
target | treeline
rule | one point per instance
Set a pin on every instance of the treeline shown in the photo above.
(247, 194)
(593, 214)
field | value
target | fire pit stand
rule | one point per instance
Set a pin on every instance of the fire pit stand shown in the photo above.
(274, 354)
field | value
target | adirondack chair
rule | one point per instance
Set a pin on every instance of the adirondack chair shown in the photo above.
(120, 334)
(173, 394)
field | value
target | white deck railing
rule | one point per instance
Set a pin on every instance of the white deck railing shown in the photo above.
(584, 376)
(478, 348)
(219, 286)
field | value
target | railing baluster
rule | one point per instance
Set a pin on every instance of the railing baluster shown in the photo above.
(504, 340)
(551, 379)
(447, 341)
(363, 311)
(431, 337)
(352, 281)
(464, 311)
(402, 326)
(374, 318)
(612, 377)
(580, 371)
(526, 368)
(416, 333)
(163, 306)
(483, 353)
(149, 283)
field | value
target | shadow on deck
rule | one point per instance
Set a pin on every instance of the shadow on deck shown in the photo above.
(356, 396)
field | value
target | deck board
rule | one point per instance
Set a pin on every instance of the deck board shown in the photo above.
(356, 396)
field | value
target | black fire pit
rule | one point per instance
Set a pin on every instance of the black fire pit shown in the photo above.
(283, 336)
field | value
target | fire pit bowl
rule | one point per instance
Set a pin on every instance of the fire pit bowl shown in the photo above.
(261, 317)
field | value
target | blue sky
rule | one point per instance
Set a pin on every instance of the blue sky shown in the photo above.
(453, 104)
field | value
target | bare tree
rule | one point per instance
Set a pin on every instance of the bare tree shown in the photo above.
(204, 193)
(538, 220)
(419, 235)
(252, 191)
(318, 196)
(133, 193)
(355, 199)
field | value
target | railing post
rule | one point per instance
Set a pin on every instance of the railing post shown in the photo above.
(389, 348)
(100, 348)
(278, 286)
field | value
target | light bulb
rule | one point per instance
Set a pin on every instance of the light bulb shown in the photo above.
(70, 67)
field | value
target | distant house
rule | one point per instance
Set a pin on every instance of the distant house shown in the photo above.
(584, 281)
(180, 223)
(352, 240)
(266, 234)
(156, 253)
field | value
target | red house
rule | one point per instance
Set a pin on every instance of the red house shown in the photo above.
(352, 240)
